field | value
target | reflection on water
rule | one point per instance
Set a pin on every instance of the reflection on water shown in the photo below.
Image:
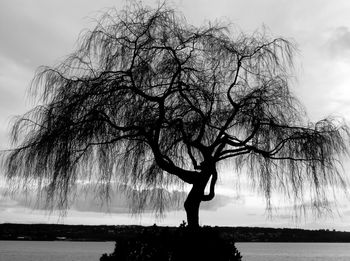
(294, 251)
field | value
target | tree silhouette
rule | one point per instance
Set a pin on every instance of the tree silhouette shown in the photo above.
(150, 101)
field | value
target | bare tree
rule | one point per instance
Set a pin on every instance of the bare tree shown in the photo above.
(151, 100)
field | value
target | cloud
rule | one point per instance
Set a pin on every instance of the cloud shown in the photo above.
(27, 40)
(121, 201)
(339, 43)
(221, 201)
(6, 203)
(126, 200)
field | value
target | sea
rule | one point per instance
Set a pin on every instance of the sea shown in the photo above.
(92, 251)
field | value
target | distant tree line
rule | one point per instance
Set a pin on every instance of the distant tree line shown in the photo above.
(48, 232)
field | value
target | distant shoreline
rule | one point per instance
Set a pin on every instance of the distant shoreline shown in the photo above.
(103, 233)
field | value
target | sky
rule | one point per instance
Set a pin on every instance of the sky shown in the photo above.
(41, 32)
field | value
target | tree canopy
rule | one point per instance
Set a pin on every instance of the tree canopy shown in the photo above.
(148, 100)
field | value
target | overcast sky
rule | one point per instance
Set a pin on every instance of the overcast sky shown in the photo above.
(41, 32)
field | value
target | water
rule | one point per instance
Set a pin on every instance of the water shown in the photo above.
(53, 250)
(92, 251)
(294, 251)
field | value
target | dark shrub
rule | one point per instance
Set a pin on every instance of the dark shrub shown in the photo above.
(175, 245)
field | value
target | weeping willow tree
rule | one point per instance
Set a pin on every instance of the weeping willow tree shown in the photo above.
(149, 101)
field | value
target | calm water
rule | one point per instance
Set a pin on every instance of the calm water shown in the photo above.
(91, 251)
(294, 251)
(53, 250)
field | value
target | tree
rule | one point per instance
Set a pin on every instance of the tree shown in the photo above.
(152, 100)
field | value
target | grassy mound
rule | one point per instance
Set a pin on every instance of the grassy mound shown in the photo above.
(180, 244)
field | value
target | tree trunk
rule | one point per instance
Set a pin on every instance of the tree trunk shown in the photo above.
(192, 204)
(194, 200)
